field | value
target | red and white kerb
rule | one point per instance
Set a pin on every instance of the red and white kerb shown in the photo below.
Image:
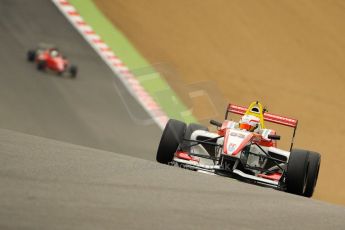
(117, 66)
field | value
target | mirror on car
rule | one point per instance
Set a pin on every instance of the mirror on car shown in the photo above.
(274, 137)
(216, 123)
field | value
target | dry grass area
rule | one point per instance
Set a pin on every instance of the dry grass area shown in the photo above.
(288, 54)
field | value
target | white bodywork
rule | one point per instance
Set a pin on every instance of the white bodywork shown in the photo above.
(233, 143)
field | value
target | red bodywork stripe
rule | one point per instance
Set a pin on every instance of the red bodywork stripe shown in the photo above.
(225, 148)
(273, 176)
(243, 144)
(224, 127)
(185, 156)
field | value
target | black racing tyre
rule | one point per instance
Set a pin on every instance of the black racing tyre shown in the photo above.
(73, 71)
(41, 65)
(190, 129)
(313, 173)
(297, 171)
(171, 138)
(31, 55)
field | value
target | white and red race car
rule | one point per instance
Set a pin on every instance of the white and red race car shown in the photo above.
(248, 156)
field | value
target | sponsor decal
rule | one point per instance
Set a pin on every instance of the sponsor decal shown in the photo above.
(232, 147)
(235, 134)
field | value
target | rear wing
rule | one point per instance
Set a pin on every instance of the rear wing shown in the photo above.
(267, 116)
(277, 119)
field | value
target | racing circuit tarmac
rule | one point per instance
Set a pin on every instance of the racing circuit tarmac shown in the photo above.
(90, 111)
(49, 184)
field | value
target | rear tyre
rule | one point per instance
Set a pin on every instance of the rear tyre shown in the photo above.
(313, 173)
(31, 55)
(189, 131)
(297, 171)
(171, 138)
(73, 71)
(41, 65)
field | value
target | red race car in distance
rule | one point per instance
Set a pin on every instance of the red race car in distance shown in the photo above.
(49, 57)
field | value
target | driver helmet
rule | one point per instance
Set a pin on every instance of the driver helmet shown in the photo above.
(54, 53)
(249, 122)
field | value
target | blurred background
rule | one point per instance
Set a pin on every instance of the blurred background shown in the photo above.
(287, 54)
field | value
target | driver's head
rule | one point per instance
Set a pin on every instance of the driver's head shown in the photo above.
(54, 53)
(249, 122)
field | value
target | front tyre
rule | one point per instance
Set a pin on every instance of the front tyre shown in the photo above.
(313, 173)
(41, 65)
(31, 55)
(297, 171)
(73, 71)
(171, 138)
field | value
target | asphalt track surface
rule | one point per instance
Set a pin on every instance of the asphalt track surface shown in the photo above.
(50, 184)
(93, 110)
(65, 186)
